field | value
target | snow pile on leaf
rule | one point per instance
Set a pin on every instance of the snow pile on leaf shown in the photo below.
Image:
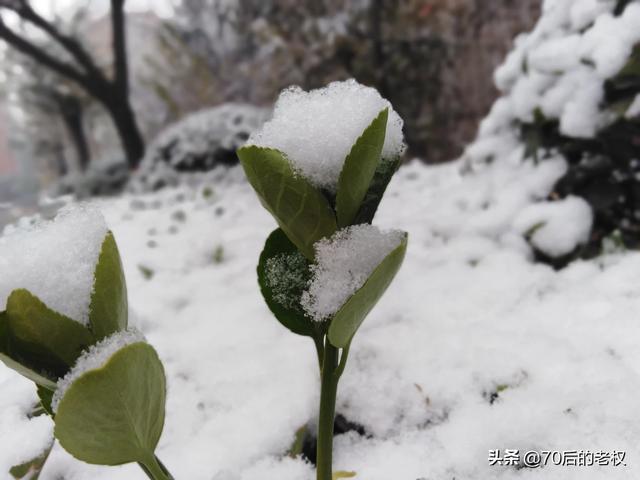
(343, 264)
(93, 358)
(198, 143)
(39, 258)
(317, 129)
(570, 90)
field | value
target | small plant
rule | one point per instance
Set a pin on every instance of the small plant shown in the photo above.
(101, 382)
(321, 167)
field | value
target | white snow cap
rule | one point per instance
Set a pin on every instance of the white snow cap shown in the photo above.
(94, 358)
(556, 228)
(317, 129)
(54, 260)
(343, 264)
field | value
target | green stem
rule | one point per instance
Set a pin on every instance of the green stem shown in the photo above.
(154, 469)
(319, 342)
(328, 393)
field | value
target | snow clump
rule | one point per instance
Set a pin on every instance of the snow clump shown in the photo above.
(54, 260)
(317, 129)
(344, 262)
(556, 228)
(94, 358)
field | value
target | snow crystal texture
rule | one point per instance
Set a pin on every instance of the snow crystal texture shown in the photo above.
(286, 275)
(317, 129)
(343, 264)
(93, 358)
(54, 260)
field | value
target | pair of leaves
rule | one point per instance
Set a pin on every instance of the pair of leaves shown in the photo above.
(305, 216)
(301, 210)
(348, 319)
(115, 414)
(42, 344)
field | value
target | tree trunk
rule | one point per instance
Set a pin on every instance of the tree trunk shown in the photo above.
(127, 128)
(72, 116)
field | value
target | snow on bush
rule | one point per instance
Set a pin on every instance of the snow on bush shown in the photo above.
(568, 94)
(54, 260)
(94, 358)
(557, 228)
(343, 263)
(561, 66)
(197, 143)
(317, 129)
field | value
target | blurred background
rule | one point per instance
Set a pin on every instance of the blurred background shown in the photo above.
(92, 91)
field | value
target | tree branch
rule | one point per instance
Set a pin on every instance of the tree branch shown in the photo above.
(70, 44)
(39, 55)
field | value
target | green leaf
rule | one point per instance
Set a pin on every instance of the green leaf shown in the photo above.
(298, 442)
(347, 320)
(359, 169)
(20, 365)
(108, 311)
(31, 469)
(46, 396)
(41, 339)
(301, 210)
(383, 175)
(343, 474)
(291, 316)
(115, 414)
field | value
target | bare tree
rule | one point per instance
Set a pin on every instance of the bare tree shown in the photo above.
(112, 93)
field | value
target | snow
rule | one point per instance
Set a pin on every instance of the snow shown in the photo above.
(94, 358)
(317, 129)
(54, 260)
(634, 108)
(469, 311)
(344, 262)
(556, 228)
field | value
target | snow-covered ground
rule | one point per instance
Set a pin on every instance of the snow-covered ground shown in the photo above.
(474, 347)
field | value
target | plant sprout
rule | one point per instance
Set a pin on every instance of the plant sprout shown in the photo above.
(101, 382)
(321, 167)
